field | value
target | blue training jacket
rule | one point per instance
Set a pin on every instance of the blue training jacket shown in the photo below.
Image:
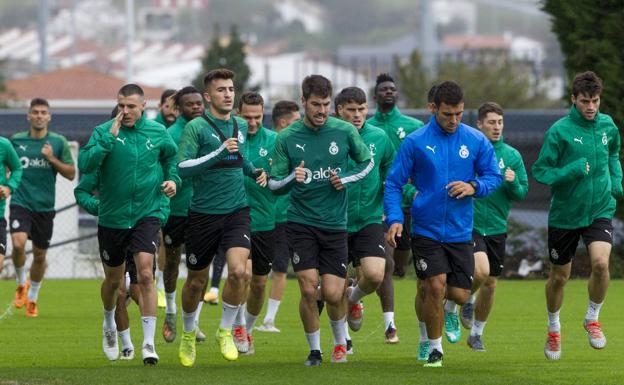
(432, 159)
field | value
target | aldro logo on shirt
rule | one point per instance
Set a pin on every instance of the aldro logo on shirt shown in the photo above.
(34, 163)
(319, 175)
(372, 149)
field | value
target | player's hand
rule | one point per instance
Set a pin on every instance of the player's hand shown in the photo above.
(5, 192)
(168, 188)
(47, 151)
(395, 230)
(300, 173)
(262, 178)
(459, 189)
(510, 175)
(232, 145)
(116, 124)
(335, 180)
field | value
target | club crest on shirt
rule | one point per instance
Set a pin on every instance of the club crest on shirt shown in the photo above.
(501, 164)
(463, 151)
(333, 148)
(241, 137)
(263, 152)
(401, 132)
(605, 140)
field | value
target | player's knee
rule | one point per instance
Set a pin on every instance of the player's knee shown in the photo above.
(558, 277)
(145, 276)
(490, 284)
(197, 284)
(434, 289)
(257, 286)
(332, 298)
(308, 293)
(600, 268)
(238, 274)
(376, 278)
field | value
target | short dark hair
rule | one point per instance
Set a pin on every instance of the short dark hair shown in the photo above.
(283, 108)
(318, 85)
(251, 98)
(431, 93)
(131, 89)
(177, 99)
(448, 92)
(382, 78)
(166, 94)
(488, 107)
(586, 83)
(219, 73)
(350, 95)
(39, 102)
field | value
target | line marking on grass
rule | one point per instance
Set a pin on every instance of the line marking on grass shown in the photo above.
(7, 312)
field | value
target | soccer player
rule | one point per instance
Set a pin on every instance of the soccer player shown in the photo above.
(285, 112)
(260, 143)
(397, 126)
(8, 184)
(190, 104)
(367, 245)
(490, 224)
(211, 153)
(43, 154)
(580, 161)
(167, 112)
(448, 162)
(311, 159)
(135, 158)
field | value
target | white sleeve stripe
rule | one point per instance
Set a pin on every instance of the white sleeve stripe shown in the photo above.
(360, 175)
(278, 184)
(203, 159)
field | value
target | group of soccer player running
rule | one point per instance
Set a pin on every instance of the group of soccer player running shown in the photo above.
(320, 191)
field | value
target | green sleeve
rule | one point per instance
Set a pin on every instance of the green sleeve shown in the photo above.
(66, 156)
(281, 179)
(84, 193)
(14, 164)
(615, 167)
(518, 189)
(168, 154)
(190, 166)
(360, 153)
(409, 193)
(386, 161)
(93, 153)
(249, 169)
(545, 169)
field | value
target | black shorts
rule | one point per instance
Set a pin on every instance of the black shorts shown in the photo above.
(3, 236)
(262, 244)
(281, 249)
(494, 247)
(207, 233)
(403, 242)
(174, 231)
(432, 258)
(115, 244)
(562, 243)
(38, 225)
(315, 248)
(369, 241)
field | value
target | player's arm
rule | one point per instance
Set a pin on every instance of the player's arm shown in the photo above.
(546, 170)
(65, 165)
(516, 182)
(188, 164)
(615, 167)
(393, 193)
(14, 165)
(360, 153)
(84, 193)
(489, 177)
(282, 179)
(90, 156)
(168, 156)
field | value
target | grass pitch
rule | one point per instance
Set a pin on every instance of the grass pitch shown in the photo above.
(63, 345)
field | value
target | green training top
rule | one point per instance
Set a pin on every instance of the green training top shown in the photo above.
(578, 197)
(8, 157)
(160, 119)
(491, 212)
(365, 197)
(218, 186)
(261, 200)
(324, 150)
(37, 191)
(180, 202)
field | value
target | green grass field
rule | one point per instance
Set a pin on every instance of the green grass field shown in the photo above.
(63, 345)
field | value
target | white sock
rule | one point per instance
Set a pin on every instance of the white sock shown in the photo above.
(126, 341)
(160, 281)
(314, 340)
(477, 328)
(593, 310)
(250, 321)
(171, 304)
(228, 315)
(109, 319)
(423, 331)
(388, 317)
(356, 294)
(450, 306)
(435, 344)
(240, 316)
(553, 322)
(128, 281)
(20, 275)
(338, 331)
(33, 292)
(200, 305)
(472, 298)
(188, 320)
(346, 331)
(149, 329)
(272, 307)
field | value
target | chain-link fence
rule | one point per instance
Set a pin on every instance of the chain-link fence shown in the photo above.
(74, 246)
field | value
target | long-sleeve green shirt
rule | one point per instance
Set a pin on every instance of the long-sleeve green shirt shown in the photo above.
(8, 157)
(180, 202)
(261, 200)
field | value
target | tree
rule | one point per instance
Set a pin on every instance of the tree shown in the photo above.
(590, 34)
(231, 56)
